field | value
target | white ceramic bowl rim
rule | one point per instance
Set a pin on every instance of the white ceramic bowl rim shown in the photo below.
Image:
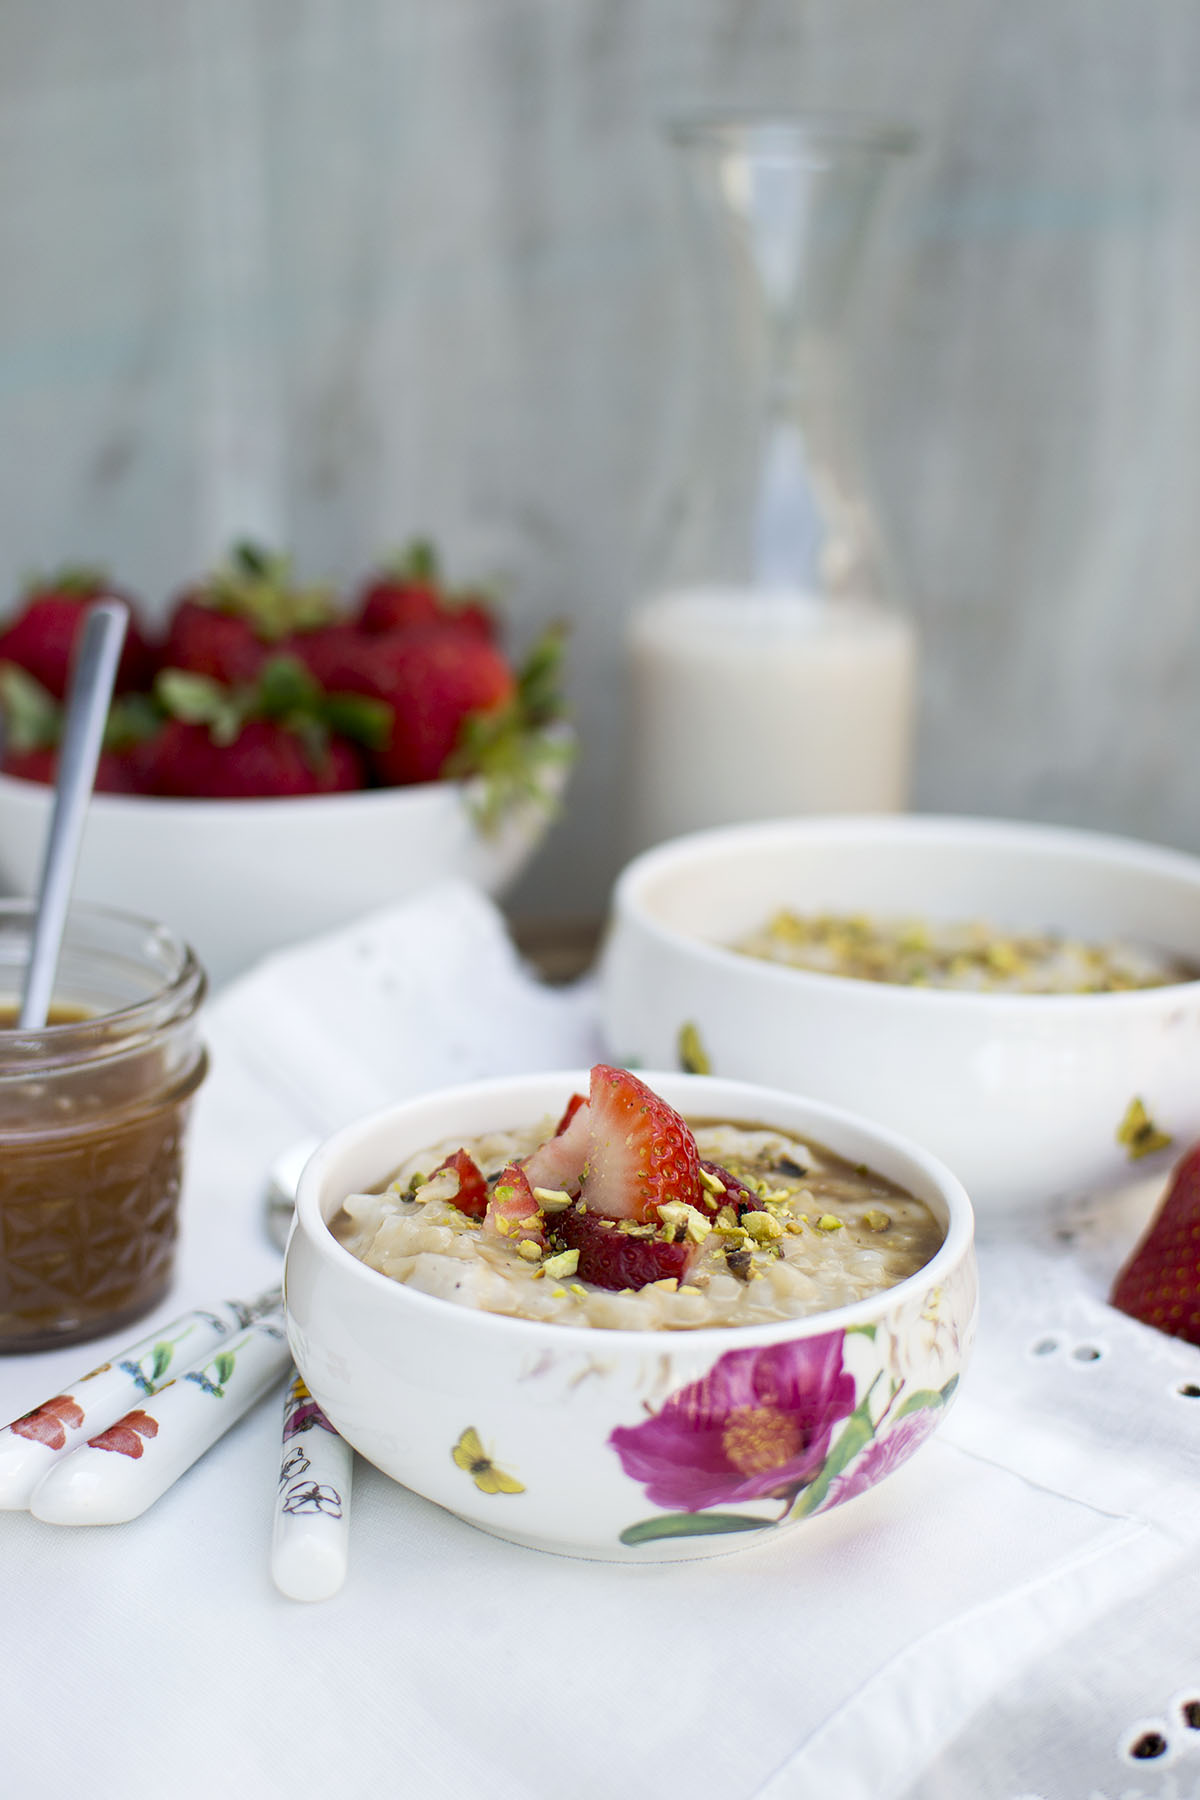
(934, 829)
(759, 1101)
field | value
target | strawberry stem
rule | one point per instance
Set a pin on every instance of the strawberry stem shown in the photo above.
(511, 751)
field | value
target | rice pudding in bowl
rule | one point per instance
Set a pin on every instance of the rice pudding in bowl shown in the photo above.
(654, 1431)
(1027, 1095)
(747, 1226)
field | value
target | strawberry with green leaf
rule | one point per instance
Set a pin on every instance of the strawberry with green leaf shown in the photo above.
(41, 638)
(405, 591)
(510, 748)
(229, 625)
(33, 724)
(280, 736)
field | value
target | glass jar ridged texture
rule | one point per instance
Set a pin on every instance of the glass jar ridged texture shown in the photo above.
(93, 1114)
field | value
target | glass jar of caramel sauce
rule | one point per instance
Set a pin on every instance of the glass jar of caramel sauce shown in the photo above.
(93, 1110)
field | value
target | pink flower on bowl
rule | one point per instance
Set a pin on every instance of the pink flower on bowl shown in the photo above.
(757, 1425)
(882, 1456)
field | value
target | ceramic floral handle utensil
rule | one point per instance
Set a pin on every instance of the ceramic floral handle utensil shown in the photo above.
(90, 1403)
(311, 1540)
(115, 1476)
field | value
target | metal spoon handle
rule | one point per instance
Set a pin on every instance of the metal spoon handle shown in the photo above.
(88, 699)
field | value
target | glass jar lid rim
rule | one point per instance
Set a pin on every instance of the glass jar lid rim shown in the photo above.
(182, 984)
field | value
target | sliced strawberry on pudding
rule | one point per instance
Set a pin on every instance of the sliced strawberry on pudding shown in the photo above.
(559, 1162)
(642, 1154)
(570, 1109)
(623, 1149)
(472, 1195)
(612, 1258)
(512, 1212)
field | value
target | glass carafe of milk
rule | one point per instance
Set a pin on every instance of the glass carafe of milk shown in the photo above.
(771, 672)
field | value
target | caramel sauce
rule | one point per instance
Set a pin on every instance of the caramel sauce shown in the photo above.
(61, 1012)
(90, 1172)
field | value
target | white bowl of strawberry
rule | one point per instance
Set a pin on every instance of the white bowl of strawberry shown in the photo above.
(278, 762)
(635, 1317)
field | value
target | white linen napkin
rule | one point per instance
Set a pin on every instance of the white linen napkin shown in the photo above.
(866, 1656)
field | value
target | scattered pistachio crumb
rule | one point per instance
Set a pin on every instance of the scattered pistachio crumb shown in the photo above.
(1138, 1132)
(762, 1226)
(828, 1222)
(565, 1263)
(875, 1220)
(712, 1182)
(530, 1249)
(693, 1057)
(684, 1220)
(669, 1284)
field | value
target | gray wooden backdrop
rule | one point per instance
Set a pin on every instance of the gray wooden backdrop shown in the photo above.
(335, 271)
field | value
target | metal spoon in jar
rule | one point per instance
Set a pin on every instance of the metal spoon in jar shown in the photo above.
(88, 698)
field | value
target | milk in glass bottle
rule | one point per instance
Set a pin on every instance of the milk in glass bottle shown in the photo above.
(772, 673)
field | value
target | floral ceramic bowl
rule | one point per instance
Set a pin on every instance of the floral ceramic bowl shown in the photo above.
(627, 1445)
(1026, 1096)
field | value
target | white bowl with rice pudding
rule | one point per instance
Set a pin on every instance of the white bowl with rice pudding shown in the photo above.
(624, 1317)
(1022, 999)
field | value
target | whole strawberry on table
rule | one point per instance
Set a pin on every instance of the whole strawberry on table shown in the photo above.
(264, 687)
(1160, 1282)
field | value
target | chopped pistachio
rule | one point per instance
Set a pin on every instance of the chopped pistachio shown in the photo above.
(874, 1220)
(684, 1221)
(829, 1222)
(762, 1226)
(565, 1263)
(552, 1199)
(712, 1182)
(530, 1249)
(669, 1284)
(693, 1057)
(970, 955)
(1138, 1132)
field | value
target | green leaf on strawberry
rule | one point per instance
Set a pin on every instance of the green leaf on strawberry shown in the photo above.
(32, 716)
(510, 751)
(257, 585)
(285, 693)
(198, 700)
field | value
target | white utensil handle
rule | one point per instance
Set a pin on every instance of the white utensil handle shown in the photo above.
(90, 1403)
(117, 1475)
(310, 1545)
